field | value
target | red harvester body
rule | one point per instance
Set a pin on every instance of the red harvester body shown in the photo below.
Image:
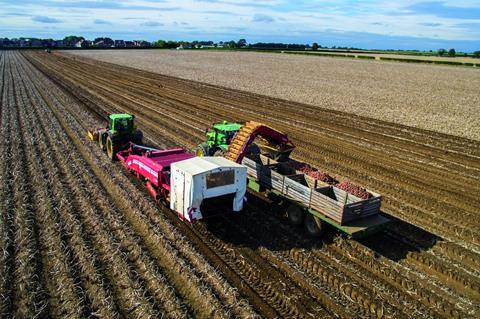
(154, 166)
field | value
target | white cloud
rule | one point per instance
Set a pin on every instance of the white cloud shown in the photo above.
(271, 17)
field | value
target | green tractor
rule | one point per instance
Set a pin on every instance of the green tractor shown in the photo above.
(218, 139)
(117, 135)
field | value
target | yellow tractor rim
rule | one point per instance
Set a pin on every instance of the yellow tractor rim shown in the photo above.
(109, 148)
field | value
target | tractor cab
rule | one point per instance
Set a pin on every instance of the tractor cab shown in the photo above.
(121, 124)
(218, 139)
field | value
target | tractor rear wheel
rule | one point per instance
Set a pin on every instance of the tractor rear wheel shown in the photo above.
(313, 225)
(137, 137)
(201, 150)
(111, 149)
(295, 214)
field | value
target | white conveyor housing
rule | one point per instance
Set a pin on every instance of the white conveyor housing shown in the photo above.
(198, 178)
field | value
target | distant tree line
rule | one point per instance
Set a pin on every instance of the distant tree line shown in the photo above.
(106, 42)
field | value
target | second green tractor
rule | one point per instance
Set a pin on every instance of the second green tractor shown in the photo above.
(218, 138)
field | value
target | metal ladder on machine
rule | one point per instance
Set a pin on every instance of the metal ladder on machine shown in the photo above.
(239, 140)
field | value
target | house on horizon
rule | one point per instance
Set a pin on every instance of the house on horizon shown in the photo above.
(83, 44)
(119, 44)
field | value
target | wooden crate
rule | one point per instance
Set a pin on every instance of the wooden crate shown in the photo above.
(253, 168)
(296, 187)
(323, 201)
(361, 209)
(270, 178)
(328, 200)
(343, 207)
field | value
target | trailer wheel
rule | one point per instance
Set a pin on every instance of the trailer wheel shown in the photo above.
(313, 225)
(295, 214)
(111, 149)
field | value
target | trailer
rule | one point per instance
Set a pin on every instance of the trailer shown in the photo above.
(182, 182)
(310, 201)
(313, 202)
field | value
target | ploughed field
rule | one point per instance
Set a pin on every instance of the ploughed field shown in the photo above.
(80, 238)
(439, 98)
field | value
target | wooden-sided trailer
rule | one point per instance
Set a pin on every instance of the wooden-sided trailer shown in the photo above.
(313, 202)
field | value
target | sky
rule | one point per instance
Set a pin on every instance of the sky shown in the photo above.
(370, 24)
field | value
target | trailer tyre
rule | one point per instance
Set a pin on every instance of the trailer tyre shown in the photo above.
(313, 225)
(295, 214)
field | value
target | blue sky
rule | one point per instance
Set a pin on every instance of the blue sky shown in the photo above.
(408, 24)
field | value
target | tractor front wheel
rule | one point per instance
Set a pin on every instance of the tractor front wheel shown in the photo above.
(111, 149)
(201, 150)
(313, 225)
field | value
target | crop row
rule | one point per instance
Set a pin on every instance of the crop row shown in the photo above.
(21, 284)
(120, 100)
(186, 136)
(152, 241)
(328, 259)
(259, 287)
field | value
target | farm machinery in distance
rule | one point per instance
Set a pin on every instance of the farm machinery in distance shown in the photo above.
(173, 177)
(218, 138)
(182, 181)
(220, 135)
(308, 201)
(118, 134)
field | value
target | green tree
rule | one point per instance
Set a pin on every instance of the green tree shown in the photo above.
(315, 46)
(162, 44)
(441, 52)
(232, 44)
(73, 38)
(242, 43)
(476, 54)
(451, 52)
(172, 44)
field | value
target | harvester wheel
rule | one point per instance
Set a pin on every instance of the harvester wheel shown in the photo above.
(295, 214)
(111, 149)
(201, 150)
(313, 225)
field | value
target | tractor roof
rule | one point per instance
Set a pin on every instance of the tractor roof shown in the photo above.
(120, 116)
(225, 126)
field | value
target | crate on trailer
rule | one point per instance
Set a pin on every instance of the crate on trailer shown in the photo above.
(315, 183)
(270, 178)
(341, 206)
(296, 187)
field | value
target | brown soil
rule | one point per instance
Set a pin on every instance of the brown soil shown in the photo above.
(116, 254)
